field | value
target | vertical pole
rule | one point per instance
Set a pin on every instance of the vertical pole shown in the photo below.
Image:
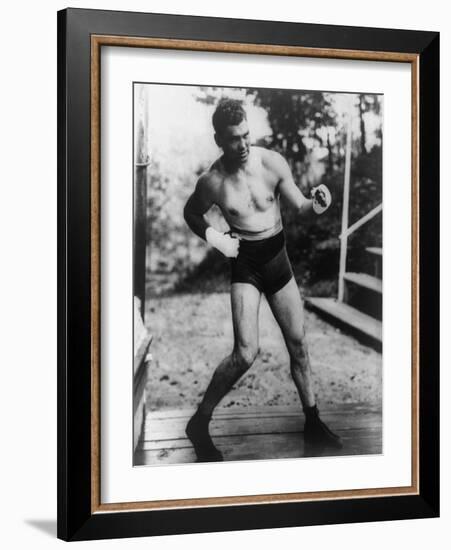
(345, 213)
(140, 198)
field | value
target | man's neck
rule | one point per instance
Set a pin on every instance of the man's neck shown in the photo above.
(233, 166)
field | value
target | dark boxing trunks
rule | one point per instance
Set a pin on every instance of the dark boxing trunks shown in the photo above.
(263, 264)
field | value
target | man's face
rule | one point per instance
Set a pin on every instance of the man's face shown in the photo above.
(235, 142)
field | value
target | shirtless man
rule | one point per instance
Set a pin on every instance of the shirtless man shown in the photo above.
(247, 182)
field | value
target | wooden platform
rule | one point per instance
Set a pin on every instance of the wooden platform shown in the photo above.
(258, 433)
(358, 323)
(363, 279)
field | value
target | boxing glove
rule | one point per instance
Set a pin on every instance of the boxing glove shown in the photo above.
(321, 198)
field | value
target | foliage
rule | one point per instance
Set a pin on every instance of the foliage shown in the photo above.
(309, 129)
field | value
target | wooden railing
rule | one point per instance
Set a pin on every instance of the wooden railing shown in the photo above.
(345, 230)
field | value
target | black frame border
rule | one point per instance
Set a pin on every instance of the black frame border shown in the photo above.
(75, 519)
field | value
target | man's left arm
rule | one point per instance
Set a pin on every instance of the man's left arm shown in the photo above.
(321, 197)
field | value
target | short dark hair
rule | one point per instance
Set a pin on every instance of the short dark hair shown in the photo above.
(229, 112)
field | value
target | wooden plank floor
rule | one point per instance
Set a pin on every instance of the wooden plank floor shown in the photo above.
(258, 433)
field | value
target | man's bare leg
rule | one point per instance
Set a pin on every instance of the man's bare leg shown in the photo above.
(287, 307)
(245, 300)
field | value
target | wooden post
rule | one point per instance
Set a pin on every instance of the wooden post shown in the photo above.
(142, 337)
(345, 213)
(140, 201)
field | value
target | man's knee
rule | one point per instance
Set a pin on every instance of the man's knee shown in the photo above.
(297, 348)
(245, 355)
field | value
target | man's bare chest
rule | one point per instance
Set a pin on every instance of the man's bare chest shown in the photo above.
(247, 193)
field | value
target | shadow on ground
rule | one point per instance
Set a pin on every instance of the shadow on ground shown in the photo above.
(46, 526)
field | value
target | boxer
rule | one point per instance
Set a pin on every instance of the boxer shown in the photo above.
(247, 183)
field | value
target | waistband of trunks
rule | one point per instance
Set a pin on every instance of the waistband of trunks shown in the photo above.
(263, 250)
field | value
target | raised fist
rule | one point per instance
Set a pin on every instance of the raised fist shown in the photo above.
(321, 199)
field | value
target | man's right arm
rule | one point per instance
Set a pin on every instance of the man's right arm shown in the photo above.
(197, 206)
(195, 209)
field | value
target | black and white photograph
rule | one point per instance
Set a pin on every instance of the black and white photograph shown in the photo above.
(226, 252)
(257, 273)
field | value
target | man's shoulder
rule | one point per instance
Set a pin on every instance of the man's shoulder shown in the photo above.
(209, 179)
(271, 159)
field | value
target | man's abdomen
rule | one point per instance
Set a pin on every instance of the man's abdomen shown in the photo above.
(252, 235)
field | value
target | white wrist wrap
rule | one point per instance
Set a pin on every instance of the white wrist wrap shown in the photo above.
(224, 243)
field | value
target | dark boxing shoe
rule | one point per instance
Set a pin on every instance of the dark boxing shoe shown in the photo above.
(317, 434)
(197, 432)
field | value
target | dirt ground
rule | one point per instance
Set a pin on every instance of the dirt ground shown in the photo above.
(193, 332)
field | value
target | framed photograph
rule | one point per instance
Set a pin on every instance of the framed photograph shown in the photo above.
(248, 274)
